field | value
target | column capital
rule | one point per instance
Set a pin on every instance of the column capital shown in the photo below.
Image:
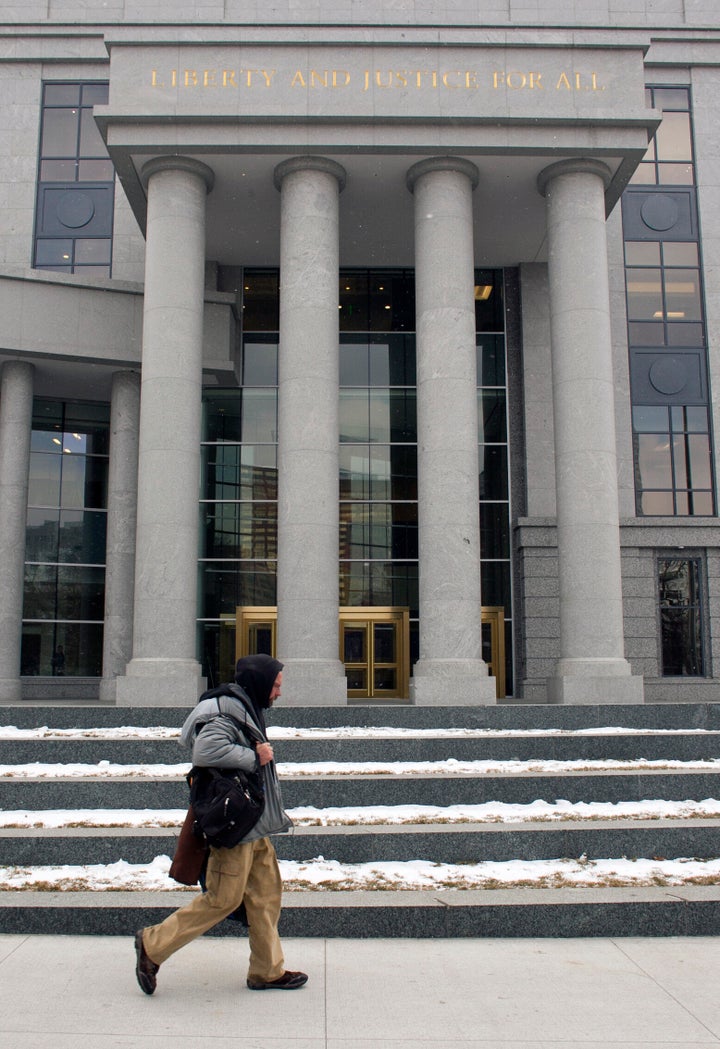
(309, 163)
(424, 167)
(573, 166)
(178, 163)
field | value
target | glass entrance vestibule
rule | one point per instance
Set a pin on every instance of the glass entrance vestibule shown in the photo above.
(377, 484)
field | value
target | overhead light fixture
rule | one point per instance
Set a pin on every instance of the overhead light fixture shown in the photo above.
(483, 292)
(56, 440)
(671, 315)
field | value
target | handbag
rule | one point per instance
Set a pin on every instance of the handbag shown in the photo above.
(227, 803)
(191, 853)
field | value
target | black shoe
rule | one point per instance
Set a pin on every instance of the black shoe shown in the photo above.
(145, 969)
(287, 982)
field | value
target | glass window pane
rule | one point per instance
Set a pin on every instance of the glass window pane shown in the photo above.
(222, 416)
(261, 302)
(698, 447)
(240, 530)
(72, 491)
(62, 94)
(653, 459)
(354, 415)
(91, 141)
(80, 593)
(644, 174)
(41, 535)
(649, 419)
(354, 364)
(491, 361)
(354, 471)
(644, 294)
(493, 471)
(703, 504)
(95, 94)
(647, 334)
(59, 135)
(379, 361)
(95, 251)
(259, 415)
(53, 252)
(494, 531)
(403, 416)
(81, 645)
(657, 504)
(40, 592)
(671, 98)
(57, 171)
(696, 420)
(682, 294)
(260, 364)
(44, 478)
(680, 253)
(676, 174)
(495, 584)
(403, 472)
(682, 333)
(672, 138)
(681, 642)
(641, 253)
(353, 302)
(379, 401)
(492, 417)
(355, 644)
(82, 537)
(95, 171)
(227, 584)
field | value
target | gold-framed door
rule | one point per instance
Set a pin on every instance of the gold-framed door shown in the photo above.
(374, 646)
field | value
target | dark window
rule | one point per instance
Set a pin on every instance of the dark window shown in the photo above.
(681, 617)
(76, 187)
(65, 539)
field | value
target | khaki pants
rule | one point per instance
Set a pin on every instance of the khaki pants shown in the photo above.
(246, 873)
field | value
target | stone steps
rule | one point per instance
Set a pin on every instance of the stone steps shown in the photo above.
(654, 910)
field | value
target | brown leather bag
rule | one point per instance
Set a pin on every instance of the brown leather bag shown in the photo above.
(190, 854)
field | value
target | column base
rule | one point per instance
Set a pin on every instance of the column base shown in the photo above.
(582, 681)
(107, 690)
(313, 683)
(160, 683)
(452, 683)
(10, 690)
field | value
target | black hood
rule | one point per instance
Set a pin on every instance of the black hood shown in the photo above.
(256, 676)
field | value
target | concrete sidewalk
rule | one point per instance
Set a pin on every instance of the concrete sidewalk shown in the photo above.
(71, 992)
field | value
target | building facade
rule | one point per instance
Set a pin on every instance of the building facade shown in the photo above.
(381, 336)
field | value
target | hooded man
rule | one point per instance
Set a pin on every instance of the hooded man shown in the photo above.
(221, 732)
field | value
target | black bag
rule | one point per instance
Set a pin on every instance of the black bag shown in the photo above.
(227, 804)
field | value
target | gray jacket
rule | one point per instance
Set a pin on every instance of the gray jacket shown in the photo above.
(217, 741)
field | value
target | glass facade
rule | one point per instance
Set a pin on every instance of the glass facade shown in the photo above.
(76, 179)
(63, 608)
(378, 555)
(666, 322)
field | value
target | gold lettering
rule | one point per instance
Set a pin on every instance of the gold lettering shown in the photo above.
(445, 81)
(498, 79)
(594, 82)
(298, 80)
(318, 79)
(336, 74)
(228, 78)
(366, 84)
(209, 78)
(401, 79)
(268, 76)
(535, 81)
(154, 82)
(191, 78)
(563, 82)
(378, 80)
(471, 80)
(173, 78)
(515, 80)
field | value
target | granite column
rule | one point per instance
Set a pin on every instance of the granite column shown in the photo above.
(121, 522)
(163, 669)
(450, 669)
(592, 667)
(308, 456)
(16, 401)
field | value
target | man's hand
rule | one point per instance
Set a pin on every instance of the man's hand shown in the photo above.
(264, 753)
